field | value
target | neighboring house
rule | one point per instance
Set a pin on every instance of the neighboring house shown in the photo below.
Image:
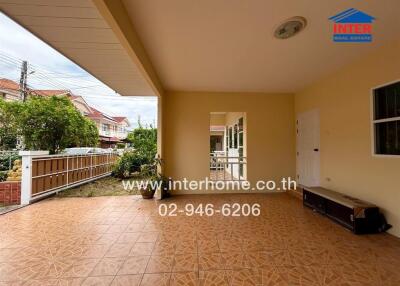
(112, 130)
(122, 127)
(9, 90)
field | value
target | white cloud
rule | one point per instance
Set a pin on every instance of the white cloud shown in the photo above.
(54, 71)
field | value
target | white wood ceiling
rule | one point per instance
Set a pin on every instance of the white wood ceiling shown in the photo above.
(76, 29)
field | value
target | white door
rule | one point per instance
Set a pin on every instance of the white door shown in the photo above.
(308, 148)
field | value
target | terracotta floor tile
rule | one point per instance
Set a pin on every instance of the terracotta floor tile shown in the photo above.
(76, 281)
(65, 241)
(160, 264)
(117, 228)
(207, 246)
(251, 245)
(80, 267)
(257, 259)
(215, 278)
(127, 280)
(159, 279)
(34, 269)
(134, 265)
(210, 261)
(108, 238)
(94, 250)
(184, 279)
(119, 250)
(227, 245)
(281, 257)
(186, 246)
(234, 260)
(303, 275)
(185, 263)
(164, 248)
(108, 266)
(135, 227)
(128, 237)
(148, 237)
(98, 281)
(142, 248)
(187, 234)
(246, 277)
(364, 274)
(271, 277)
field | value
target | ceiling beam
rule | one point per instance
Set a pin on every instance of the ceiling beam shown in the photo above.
(115, 14)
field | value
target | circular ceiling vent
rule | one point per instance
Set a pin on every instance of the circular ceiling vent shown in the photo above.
(290, 27)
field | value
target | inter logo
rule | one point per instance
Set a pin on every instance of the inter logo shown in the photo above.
(352, 25)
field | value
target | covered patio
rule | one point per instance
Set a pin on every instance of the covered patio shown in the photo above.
(326, 113)
(124, 241)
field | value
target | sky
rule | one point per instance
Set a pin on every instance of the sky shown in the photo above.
(51, 70)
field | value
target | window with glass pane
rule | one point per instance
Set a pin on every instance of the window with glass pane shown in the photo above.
(240, 124)
(241, 161)
(230, 137)
(235, 137)
(387, 119)
(226, 139)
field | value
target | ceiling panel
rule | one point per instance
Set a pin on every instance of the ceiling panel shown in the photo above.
(228, 45)
(77, 30)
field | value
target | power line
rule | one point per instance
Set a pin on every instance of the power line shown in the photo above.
(43, 75)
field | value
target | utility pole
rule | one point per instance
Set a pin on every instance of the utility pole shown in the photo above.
(23, 80)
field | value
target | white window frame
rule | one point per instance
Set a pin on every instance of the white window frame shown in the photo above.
(374, 122)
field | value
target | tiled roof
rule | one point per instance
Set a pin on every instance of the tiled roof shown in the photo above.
(98, 114)
(50, 92)
(12, 85)
(8, 84)
(119, 118)
(109, 139)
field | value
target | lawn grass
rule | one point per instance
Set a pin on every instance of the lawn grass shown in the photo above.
(108, 186)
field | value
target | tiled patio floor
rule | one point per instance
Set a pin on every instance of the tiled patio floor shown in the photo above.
(123, 241)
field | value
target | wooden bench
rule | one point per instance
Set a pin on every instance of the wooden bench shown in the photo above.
(357, 215)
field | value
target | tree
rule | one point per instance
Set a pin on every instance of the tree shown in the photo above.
(53, 124)
(144, 140)
(9, 112)
(86, 134)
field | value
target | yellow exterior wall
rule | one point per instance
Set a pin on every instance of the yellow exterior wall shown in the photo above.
(344, 101)
(270, 133)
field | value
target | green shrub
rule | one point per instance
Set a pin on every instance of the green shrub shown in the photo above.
(3, 176)
(128, 163)
(120, 145)
(5, 159)
(144, 140)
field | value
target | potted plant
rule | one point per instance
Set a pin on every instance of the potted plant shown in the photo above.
(148, 172)
(154, 180)
(148, 192)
